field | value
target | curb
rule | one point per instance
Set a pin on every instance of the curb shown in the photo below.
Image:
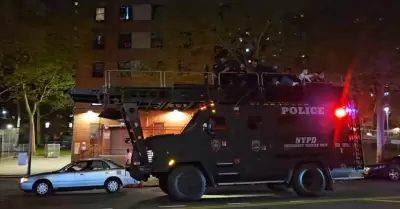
(10, 177)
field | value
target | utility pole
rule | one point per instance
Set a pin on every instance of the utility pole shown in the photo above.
(382, 102)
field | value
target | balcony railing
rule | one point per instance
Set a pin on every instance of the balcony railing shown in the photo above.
(127, 78)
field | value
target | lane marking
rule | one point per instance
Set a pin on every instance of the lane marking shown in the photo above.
(238, 203)
(172, 206)
(388, 201)
(210, 196)
(298, 202)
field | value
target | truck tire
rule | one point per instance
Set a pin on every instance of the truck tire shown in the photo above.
(186, 183)
(309, 180)
(163, 183)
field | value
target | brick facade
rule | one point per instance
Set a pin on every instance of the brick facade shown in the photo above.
(111, 54)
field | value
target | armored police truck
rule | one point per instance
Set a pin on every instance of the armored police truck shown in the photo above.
(262, 134)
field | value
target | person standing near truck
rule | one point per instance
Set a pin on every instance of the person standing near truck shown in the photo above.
(128, 157)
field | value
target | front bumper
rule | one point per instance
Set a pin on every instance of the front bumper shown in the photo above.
(140, 173)
(26, 186)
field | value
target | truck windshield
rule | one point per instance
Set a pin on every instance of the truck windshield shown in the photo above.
(192, 123)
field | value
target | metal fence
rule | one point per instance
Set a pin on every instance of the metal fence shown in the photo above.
(8, 143)
(52, 150)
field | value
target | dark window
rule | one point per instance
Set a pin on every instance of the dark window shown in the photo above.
(125, 69)
(217, 123)
(254, 122)
(98, 70)
(125, 40)
(125, 12)
(99, 41)
(156, 41)
(186, 39)
(157, 11)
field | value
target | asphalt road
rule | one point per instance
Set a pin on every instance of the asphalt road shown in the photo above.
(364, 194)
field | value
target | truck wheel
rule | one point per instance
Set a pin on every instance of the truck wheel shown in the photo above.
(309, 180)
(186, 183)
(163, 183)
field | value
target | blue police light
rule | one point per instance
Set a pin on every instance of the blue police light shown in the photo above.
(386, 94)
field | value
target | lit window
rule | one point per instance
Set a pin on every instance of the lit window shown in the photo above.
(100, 14)
(141, 40)
(142, 12)
(125, 13)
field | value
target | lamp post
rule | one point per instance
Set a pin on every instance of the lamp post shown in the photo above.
(386, 109)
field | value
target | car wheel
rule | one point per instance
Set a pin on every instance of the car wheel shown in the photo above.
(43, 188)
(394, 174)
(309, 180)
(112, 185)
(186, 183)
(163, 183)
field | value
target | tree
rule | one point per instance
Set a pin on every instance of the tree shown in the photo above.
(40, 66)
(363, 42)
(270, 31)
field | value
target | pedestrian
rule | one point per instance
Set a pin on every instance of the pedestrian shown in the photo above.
(305, 77)
(319, 77)
(128, 157)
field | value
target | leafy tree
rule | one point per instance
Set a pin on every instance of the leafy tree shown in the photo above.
(39, 66)
(363, 43)
(193, 31)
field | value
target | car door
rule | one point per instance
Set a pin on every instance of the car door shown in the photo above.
(96, 173)
(70, 177)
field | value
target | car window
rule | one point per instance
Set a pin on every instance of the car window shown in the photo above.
(115, 164)
(79, 165)
(98, 165)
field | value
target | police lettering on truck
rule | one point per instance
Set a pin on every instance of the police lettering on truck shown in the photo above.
(308, 142)
(303, 110)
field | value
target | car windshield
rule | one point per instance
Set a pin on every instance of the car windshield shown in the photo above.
(192, 123)
(67, 166)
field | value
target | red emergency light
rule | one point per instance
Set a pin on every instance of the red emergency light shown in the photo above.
(340, 112)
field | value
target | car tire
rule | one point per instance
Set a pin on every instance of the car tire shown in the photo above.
(112, 185)
(163, 183)
(394, 173)
(186, 183)
(309, 180)
(43, 188)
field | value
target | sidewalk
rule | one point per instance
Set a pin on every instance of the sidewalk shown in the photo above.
(10, 167)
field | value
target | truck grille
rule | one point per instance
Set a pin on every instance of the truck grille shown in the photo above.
(150, 155)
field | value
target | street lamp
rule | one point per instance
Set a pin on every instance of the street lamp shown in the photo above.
(386, 109)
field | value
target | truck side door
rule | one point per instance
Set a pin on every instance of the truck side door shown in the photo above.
(255, 154)
(222, 145)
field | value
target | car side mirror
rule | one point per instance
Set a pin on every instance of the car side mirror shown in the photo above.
(207, 128)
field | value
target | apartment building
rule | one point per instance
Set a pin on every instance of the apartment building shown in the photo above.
(122, 41)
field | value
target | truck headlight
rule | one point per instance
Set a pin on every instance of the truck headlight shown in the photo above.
(23, 180)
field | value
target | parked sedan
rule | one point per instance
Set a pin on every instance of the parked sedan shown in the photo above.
(81, 175)
(389, 169)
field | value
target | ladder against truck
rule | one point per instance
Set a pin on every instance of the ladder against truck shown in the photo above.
(290, 136)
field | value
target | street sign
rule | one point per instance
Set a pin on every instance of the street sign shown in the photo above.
(395, 141)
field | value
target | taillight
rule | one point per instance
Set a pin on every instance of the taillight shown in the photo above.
(340, 112)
